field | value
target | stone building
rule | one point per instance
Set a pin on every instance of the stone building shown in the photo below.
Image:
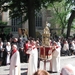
(40, 21)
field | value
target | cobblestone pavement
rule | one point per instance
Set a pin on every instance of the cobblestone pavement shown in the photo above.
(4, 70)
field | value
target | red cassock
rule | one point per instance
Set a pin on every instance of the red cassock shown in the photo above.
(45, 52)
(26, 47)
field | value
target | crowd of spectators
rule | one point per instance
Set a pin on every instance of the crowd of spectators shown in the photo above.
(67, 47)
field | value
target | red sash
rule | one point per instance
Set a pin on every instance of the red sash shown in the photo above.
(13, 51)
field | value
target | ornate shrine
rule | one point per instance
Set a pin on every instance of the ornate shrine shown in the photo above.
(45, 50)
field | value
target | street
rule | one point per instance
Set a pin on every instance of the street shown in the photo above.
(4, 70)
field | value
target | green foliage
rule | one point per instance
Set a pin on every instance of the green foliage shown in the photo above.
(20, 7)
(73, 24)
(7, 30)
(64, 35)
(71, 2)
(74, 35)
(26, 9)
(59, 11)
(3, 23)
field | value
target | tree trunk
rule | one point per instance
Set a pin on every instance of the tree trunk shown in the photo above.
(69, 23)
(31, 19)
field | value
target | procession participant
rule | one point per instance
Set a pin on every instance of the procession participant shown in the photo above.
(15, 61)
(26, 48)
(38, 48)
(41, 72)
(59, 50)
(33, 59)
(68, 70)
(8, 51)
(55, 61)
(51, 55)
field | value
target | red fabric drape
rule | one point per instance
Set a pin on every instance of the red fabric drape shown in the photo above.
(14, 51)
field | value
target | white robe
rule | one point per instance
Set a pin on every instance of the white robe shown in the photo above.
(33, 61)
(56, 62)
(68, 70)
(15, 61)
(8, 48)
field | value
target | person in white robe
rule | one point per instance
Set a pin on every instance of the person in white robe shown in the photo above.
(68, 70)
(56, 58)
(15, 61)
(8, 50)
(33, 60)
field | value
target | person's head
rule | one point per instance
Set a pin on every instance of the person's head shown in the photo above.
(20, 39)
(14, 47)
(54, 43)
(41, 72)
(8, 43)
(15, 39)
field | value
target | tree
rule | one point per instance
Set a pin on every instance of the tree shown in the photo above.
(71, 4)
(64, 15)
(25, 8)
(60, 14)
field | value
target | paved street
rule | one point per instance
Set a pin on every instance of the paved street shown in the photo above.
(4, 70)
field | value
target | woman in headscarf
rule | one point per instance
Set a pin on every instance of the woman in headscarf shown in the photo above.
(8, 51)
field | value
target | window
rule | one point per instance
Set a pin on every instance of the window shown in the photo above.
(16, 23)
(38, 20)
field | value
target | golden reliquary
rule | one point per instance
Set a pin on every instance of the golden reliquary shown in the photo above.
(46, 36)
(45, 50)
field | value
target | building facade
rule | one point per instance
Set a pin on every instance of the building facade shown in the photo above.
(16, 23)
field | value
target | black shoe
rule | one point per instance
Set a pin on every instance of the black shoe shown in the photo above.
(50, 71)
(54, 72)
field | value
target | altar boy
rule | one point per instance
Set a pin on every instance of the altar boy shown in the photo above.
(15, 61)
